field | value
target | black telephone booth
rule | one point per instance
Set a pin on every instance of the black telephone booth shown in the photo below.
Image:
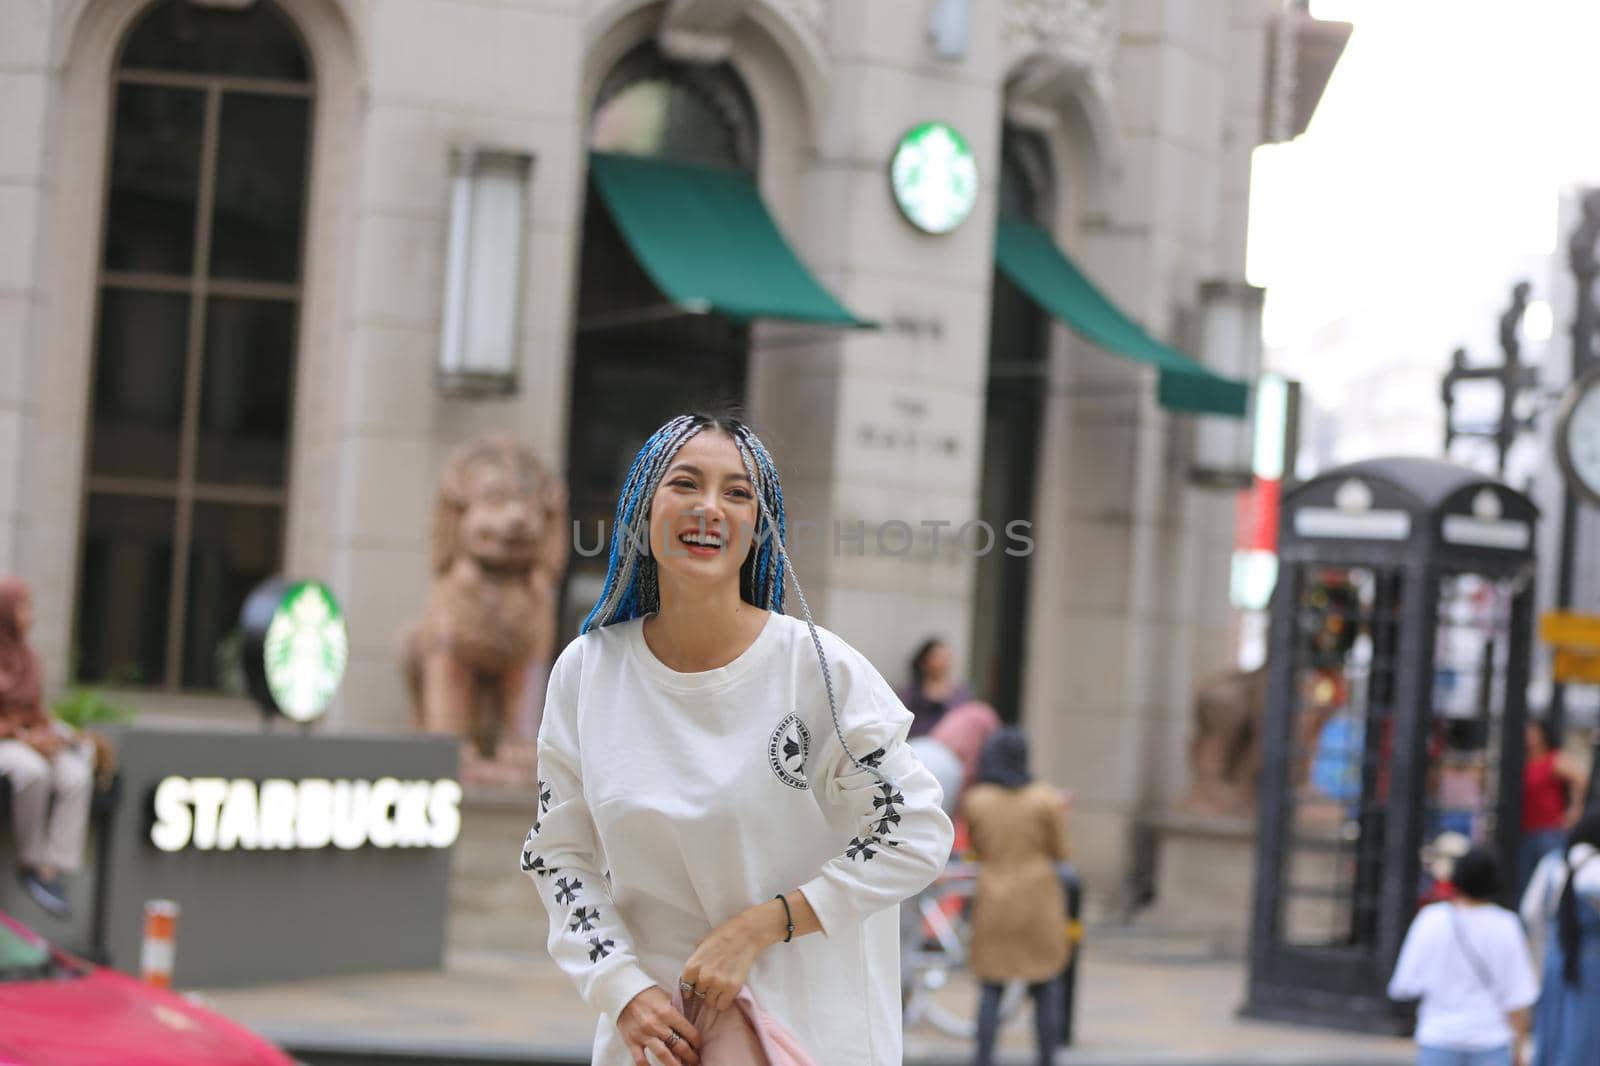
(1398, 669)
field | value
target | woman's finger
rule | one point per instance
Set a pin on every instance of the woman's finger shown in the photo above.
(686, 1051)
(664, 1055)
(677, 1023)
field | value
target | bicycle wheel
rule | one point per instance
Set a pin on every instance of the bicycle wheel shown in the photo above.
(936, 987)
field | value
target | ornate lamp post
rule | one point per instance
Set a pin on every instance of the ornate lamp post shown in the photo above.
(1515, 378)
(1583, 256)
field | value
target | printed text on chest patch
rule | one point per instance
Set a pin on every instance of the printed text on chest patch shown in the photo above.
(787, 751)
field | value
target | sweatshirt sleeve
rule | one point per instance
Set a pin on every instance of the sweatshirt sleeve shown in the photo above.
(901, 835)
(562, 856)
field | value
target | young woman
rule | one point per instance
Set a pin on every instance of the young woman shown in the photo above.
(1552, 795)
(41, 758)
(1562, 910)
(1467, 960)
(721, 781)
(934, 688)
(1019, 915)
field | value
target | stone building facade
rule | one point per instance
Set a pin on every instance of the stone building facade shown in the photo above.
(310, 439)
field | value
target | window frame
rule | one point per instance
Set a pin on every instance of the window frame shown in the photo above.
(185, 490)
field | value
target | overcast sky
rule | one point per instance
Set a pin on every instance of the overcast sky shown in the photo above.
(1434, 161)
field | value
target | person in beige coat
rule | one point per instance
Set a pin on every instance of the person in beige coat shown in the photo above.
(1019, 914)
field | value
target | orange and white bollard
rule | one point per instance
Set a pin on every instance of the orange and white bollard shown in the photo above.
(160, 948)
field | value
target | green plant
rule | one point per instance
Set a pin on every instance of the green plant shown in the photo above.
(82, 708)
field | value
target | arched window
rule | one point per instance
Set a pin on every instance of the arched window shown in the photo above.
(638, 359)
(1013, 430)
(198, 302)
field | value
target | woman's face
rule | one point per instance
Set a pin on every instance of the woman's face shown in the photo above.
(936, 664)
(703, 516)
(1535, 741)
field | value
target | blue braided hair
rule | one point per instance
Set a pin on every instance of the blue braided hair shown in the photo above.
(631, 589)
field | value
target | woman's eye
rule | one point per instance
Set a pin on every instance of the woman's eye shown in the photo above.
(741, 494)
(682, 483)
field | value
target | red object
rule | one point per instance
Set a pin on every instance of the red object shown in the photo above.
(1256, 516)
(1544, 794)
(86, 1015)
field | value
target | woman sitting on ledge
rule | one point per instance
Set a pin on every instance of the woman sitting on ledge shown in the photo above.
(41, 758)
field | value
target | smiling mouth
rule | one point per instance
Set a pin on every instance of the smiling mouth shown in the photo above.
(702, 542)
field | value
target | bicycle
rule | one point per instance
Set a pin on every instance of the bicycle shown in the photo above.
(935, 938)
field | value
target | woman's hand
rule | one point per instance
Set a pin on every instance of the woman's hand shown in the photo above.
(721, 961)
(44, 740)
(648, 1022)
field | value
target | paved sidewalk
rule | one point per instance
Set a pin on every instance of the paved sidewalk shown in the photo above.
(1143, 998)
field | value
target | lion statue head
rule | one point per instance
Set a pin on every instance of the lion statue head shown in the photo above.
(499, 507)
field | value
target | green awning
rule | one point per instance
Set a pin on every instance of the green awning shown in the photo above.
(1032, 260)
(706, 240)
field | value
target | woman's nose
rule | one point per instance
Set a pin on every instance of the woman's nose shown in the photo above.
(709, 508)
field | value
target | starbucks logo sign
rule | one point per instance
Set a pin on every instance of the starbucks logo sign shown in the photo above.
(934, 177)
(295, 647)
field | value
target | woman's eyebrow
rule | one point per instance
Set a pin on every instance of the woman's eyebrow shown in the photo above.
(690, 468)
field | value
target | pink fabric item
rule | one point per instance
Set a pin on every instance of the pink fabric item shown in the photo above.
(964, 729)
(743, 1036)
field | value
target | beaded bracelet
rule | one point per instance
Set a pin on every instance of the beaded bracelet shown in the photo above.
(788, 919)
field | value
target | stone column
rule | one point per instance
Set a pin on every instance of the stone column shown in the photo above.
(886, 426)
(452, 73)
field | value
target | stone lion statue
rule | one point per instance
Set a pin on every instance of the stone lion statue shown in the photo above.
(500, 544)
(1225, 755)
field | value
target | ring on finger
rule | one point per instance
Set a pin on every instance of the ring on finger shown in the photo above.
(673, 1039)
(685, 986)
(700, 995)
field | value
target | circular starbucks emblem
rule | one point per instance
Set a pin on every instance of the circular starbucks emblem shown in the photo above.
(305, 651)
(934, 177)
(787, 751)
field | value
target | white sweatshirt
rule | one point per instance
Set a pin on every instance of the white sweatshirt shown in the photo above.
(670, 802)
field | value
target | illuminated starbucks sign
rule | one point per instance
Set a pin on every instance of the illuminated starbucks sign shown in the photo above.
(934, 177)
(295, 647)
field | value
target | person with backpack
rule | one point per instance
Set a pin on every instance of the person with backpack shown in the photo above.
(1466, 959)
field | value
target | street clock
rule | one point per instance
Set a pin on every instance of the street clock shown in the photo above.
(1578, 436)
(934, 177)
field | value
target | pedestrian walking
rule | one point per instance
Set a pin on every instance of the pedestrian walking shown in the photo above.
(934, 689)
(1552, 795)
(720, 781)
(1019, 912)
(1562, 911)
(1466, 959)
(49, 766)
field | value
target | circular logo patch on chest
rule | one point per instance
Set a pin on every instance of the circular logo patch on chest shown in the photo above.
(787, 751)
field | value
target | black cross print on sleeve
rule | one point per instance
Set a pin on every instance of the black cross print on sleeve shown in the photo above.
(544, 798)
(583, 919)
(883, 820)
(886, 822)
(538, 868)
(567, 892)
(875, 759)
(599, 949)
